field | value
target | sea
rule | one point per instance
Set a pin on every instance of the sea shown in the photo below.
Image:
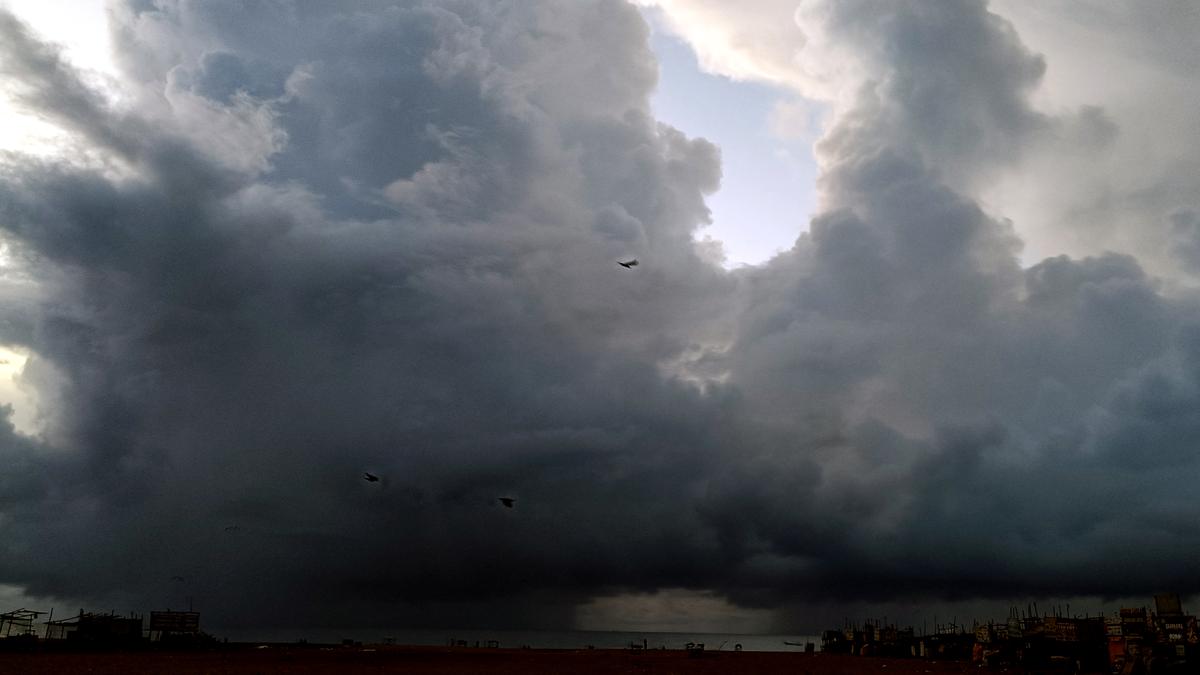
(567, 639)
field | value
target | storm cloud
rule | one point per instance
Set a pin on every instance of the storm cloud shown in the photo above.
(304, 241)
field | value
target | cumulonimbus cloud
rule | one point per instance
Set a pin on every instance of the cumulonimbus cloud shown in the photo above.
(384, 238)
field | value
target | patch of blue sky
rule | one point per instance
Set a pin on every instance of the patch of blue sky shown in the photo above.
(768, 191)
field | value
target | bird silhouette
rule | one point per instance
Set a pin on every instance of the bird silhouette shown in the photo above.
(232, 528)
(370, 477)
(628, 264)
(507, 501)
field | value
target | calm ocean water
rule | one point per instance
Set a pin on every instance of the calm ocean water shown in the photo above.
(534, 639)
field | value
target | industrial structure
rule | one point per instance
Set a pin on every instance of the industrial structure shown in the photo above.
(95, 629)
(21, 629)
(18, 623)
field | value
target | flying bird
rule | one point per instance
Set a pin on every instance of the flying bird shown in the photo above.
(629, 264)
(232, 528)
(507, 501)
(370, 477)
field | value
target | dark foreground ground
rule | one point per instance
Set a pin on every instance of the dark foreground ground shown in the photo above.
(446, 660)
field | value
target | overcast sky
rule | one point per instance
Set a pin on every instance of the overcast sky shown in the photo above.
(915, 324)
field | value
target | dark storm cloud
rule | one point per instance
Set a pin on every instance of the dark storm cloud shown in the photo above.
(384, 238)
(237, 343)
(980, 429)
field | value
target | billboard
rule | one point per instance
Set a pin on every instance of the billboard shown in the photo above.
(175, 622)
(1167, 603)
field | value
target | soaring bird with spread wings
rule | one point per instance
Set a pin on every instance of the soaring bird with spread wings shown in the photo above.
(370, 477)
(629, 264)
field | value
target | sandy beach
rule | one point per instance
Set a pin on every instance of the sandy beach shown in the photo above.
(444, 660)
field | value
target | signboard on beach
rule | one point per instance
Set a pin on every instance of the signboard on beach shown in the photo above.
(175, 622)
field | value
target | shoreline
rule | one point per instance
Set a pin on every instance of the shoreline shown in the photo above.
(312, 659)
